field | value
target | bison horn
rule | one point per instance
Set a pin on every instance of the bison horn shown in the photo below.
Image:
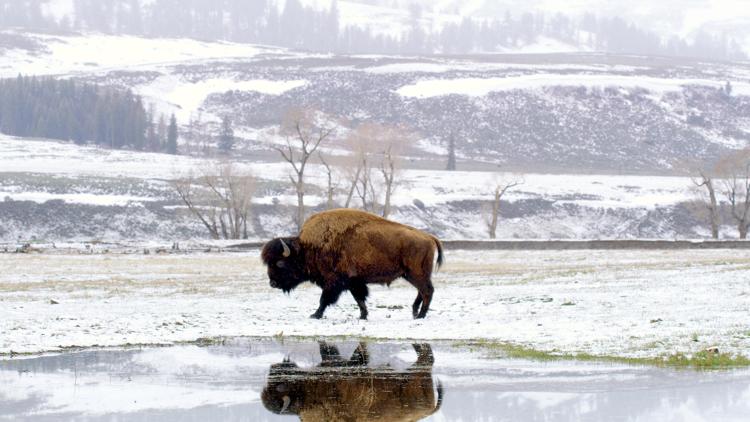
(287, 251)
(286, 402)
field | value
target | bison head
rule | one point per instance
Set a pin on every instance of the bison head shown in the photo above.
(283, 394)
(285, 262)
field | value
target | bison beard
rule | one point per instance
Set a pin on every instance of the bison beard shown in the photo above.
(347, 250)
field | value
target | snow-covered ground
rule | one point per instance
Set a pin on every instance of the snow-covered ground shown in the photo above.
(625, 303)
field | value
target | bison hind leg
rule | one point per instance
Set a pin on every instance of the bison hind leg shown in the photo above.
(360, 292)
(426, 293)
(415, 306)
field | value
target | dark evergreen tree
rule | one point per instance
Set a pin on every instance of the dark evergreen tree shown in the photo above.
(68, 110)
(152, 140)
(226, 137)
(451, 153)
(161, 134)
(172, 136)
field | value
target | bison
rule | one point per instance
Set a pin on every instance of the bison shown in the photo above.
(347, 250)
(341, 390)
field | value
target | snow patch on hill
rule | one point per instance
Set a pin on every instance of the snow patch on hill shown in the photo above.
(445, 66)
(72, 198)
(483, 86)
(97, 52)
(174, 94)
(431, 187)
(447, 203)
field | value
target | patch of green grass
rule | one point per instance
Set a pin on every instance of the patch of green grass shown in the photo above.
(701, 360)
(707, 359)
(208, 341)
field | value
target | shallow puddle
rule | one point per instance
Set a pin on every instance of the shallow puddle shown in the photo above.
(266, 380)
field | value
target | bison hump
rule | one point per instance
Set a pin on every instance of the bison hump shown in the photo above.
(335, 225)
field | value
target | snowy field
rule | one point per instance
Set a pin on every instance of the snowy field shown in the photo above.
(431, 187)
(52, 163)
(623, 303)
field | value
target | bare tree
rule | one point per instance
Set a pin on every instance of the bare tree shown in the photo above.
(735, 171)
(303, 130)
(388, 169)
(390, 166)
(500, 188)
(220, 198)
(331, 187)
(360, 173)
(193, 196)
(376, 154)
(707, 181)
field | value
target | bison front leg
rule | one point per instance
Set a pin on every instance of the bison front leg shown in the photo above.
(359, 292)
(329, 354)
(329, 296)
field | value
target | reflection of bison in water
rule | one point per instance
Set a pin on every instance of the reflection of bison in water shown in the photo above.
(341, 390)
(347, 249)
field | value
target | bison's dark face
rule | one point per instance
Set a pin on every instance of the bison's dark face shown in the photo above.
(283, 394)
(285, 262)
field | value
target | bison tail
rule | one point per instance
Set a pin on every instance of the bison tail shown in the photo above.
(440, 251)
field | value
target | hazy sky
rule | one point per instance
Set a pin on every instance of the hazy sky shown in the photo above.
(677, 17)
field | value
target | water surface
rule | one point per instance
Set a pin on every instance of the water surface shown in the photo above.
(267, 380)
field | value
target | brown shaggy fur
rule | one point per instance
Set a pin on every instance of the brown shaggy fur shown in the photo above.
(340, 390)
(347, 249)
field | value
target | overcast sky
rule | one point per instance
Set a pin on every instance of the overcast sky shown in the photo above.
(677, 17)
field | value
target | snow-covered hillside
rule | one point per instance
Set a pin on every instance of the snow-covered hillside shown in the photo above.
(538, 113)
(561, 114)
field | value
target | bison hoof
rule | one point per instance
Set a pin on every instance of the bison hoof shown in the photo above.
(364, 317)
(316, 316)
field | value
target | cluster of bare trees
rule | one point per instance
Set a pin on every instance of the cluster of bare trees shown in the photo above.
(729, 180)
(370, 173)
(373, 170)
(220, 198)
